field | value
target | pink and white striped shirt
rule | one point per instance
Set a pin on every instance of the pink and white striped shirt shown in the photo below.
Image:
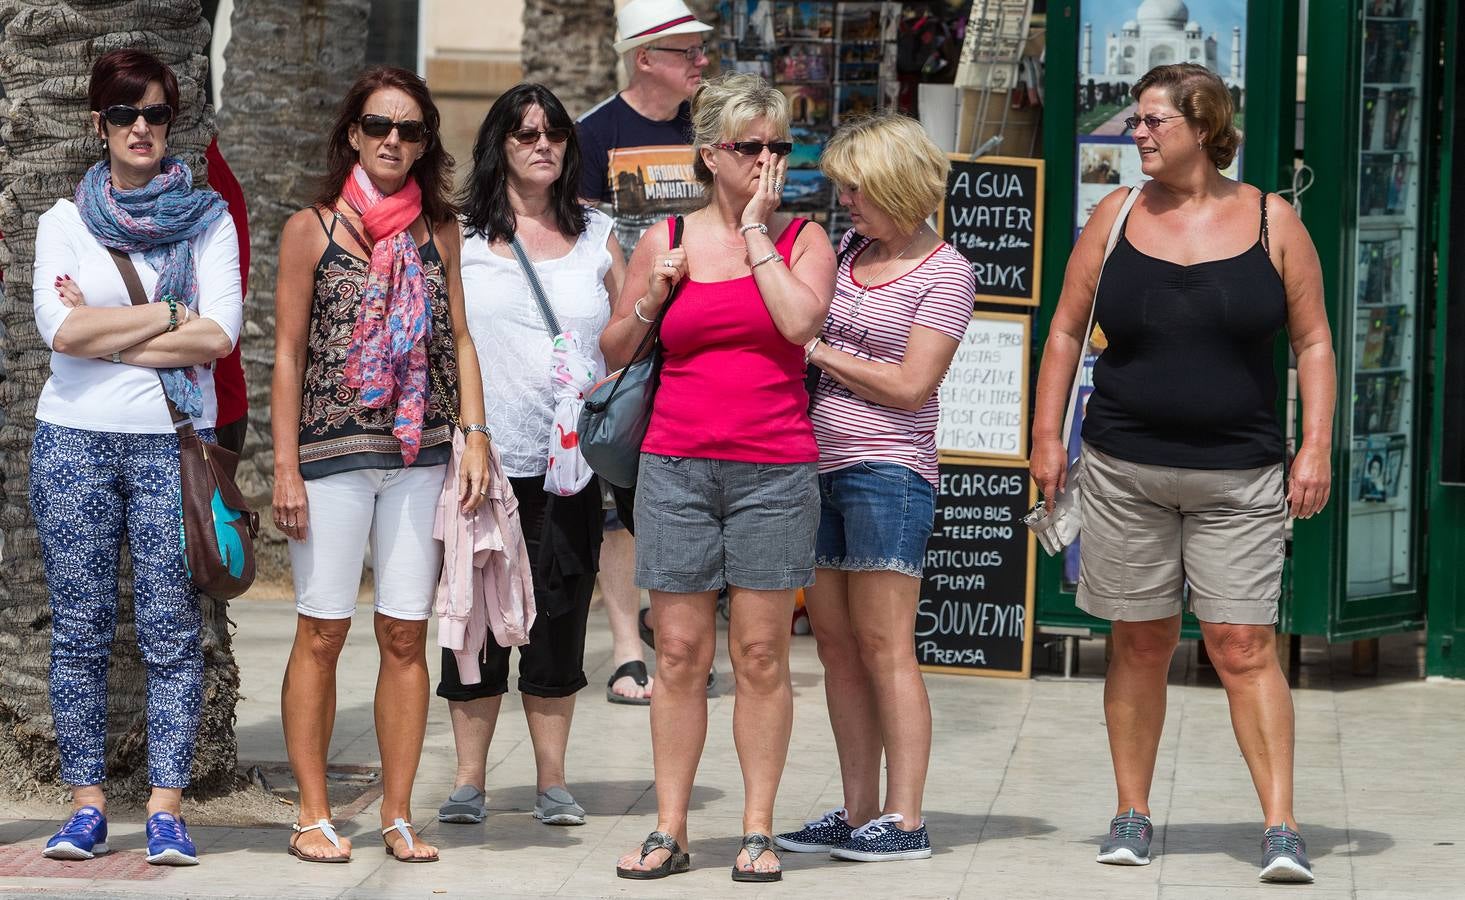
(937, 294)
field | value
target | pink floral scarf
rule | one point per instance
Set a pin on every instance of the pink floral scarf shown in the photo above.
(387, 360)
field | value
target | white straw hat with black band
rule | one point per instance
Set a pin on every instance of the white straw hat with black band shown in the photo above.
(643, 21)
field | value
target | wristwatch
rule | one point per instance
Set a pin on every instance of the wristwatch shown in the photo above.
(469, 429)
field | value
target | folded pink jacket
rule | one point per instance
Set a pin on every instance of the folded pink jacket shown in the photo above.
(486, 581)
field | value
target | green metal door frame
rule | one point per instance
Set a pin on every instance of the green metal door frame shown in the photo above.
(1331, 124)
(1270, 102)
(1445, 596)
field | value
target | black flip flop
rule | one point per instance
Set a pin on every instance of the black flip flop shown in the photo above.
(757, 844)
(636, 670)
(675, 864)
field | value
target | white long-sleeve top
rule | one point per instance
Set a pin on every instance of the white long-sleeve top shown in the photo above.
(98, 394)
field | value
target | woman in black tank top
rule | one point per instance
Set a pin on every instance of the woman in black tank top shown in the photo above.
(1182, 449)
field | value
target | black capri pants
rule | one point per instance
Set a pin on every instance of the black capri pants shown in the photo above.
(562, 536)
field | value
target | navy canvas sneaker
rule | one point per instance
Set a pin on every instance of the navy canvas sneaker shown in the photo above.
(879, 840)
(82, 837)
(1284, 856)
(168, 841)
(818, 835)
(1128, 843)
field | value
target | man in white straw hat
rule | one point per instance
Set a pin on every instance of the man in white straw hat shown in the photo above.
(636, 146)
(636, 159)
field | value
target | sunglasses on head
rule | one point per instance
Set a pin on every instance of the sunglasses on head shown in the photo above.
(409, 130)
(1150, 122)
(753, 148)
(531, 135)
(123, 115)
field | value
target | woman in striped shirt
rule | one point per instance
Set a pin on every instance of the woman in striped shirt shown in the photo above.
(902, 301)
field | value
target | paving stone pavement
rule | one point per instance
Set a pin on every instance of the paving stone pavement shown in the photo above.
(1019, 795)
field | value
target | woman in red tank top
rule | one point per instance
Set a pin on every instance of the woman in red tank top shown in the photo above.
(728, 493)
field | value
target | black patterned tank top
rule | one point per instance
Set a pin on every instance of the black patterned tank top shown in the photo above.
(337, 432)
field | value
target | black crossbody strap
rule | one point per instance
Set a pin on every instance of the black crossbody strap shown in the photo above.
(655, 330)
(545, 311)
(182, 422)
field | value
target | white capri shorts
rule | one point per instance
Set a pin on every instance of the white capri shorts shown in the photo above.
(395, 509)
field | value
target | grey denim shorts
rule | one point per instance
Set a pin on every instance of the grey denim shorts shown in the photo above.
(1147, 530)
(703, 524)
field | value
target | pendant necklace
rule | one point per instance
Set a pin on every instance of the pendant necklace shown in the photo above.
(870, 282)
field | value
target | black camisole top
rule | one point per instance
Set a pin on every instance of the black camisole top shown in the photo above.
(1188, 378)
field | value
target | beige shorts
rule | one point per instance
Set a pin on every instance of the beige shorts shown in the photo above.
(1147, 530)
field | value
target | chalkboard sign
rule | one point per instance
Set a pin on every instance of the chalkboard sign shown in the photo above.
(993, 214)
(984, 397)
(976, 608)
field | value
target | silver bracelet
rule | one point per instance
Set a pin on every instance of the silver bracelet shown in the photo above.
(637, 309)
(769, 257)
(758, 225)
(469, 429)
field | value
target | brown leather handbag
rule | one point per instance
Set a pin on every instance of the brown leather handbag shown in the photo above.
(219, 528)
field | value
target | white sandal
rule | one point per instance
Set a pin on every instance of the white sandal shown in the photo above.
(400, 826)
(325, 827)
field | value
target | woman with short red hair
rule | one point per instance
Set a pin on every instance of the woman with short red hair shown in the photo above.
(104, 463)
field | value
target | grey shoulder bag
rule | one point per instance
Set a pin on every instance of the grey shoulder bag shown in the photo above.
(618, 409)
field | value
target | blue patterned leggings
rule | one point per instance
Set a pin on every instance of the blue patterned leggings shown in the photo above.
(88, 490)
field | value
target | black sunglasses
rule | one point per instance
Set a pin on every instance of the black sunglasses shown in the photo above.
(753, 148)
(123, 115)
(409, 130)
(1151, 122)
(531, 136)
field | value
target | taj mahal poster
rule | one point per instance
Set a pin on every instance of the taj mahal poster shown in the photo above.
(1120, 40)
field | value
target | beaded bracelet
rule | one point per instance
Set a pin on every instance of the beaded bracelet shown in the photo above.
(172, 311)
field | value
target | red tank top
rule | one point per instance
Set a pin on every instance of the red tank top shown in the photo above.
(732, 387)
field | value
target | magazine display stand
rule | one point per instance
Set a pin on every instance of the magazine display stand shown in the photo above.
(833, 60)
(1378, 396)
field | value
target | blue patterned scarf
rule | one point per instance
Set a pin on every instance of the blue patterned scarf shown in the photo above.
(158, 220)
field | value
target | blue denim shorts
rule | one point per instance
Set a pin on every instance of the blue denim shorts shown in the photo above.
(874, 517)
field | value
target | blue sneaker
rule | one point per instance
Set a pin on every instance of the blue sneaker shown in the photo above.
(82, 837)
(818, 835)
(882, 839)
(168, 841)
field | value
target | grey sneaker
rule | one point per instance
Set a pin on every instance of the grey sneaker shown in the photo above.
(556, 807)
(466, 805)
(1284, 856)
(1128, 843)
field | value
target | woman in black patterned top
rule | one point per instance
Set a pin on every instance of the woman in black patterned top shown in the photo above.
(373, 365)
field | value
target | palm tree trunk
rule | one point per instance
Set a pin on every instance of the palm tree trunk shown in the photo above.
(286, 68)
(567, 48)
(45, 60)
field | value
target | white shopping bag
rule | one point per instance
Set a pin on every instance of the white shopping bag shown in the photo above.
(574, 372)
